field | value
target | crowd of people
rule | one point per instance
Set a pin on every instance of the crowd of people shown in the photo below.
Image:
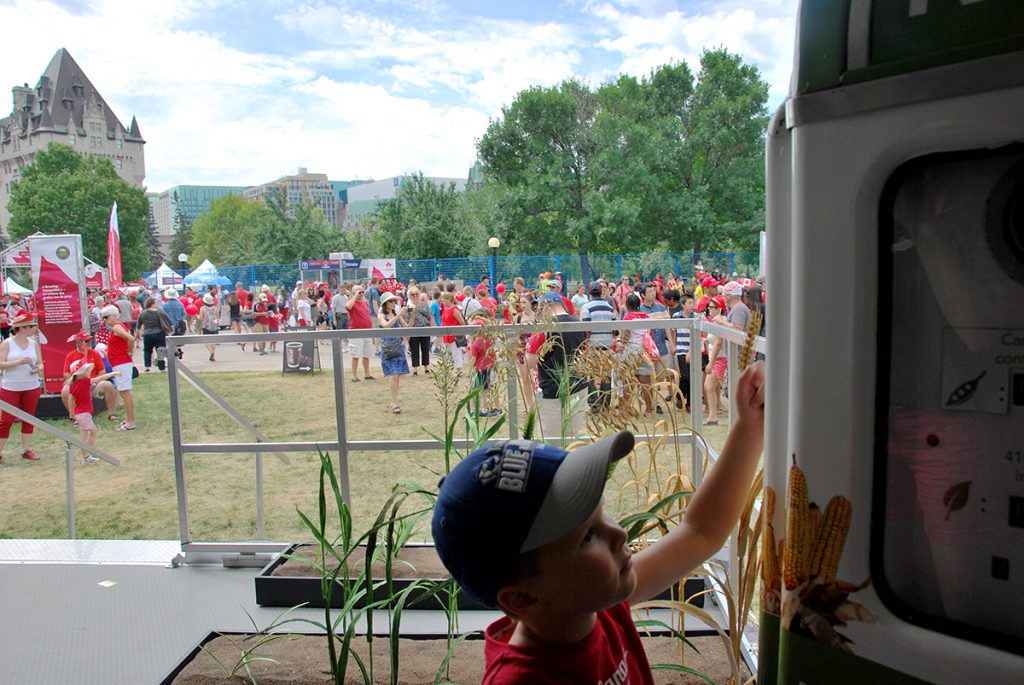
(384, 303)
(122, 319)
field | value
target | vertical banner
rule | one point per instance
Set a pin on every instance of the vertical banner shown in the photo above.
(59, 286)
(114, 250)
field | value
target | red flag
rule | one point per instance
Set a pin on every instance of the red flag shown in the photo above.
(114, 250)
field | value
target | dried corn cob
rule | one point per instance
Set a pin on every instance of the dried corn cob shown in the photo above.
(814, 516)
(746, 357)
(829, 546)
(769, 559)
(796, 560)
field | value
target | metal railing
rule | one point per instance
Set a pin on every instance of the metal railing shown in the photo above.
(69, 461)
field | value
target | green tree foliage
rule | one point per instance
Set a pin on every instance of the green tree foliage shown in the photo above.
(665, 162)
(181, 243)
(236, 231)
(156, 256)
(226, 234)
(426, 220)
(63, 192)
(288, 235)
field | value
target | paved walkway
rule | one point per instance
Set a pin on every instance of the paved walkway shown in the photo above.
(231, 357)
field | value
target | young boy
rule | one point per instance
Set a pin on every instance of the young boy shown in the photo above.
(520, 526)
(79, 386)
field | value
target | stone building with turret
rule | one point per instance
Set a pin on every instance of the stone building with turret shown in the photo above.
(64, 107)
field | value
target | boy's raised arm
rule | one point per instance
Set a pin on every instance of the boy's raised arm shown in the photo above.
(715, 508)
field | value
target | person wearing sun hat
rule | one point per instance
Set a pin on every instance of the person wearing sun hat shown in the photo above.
(120, 348)
(20, 361)
(78, 386)
(100, 388)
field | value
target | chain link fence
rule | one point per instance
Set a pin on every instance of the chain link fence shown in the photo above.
(507, 267)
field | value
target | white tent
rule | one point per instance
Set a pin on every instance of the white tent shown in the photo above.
(206, 274)
(164, 277)
(11, 286)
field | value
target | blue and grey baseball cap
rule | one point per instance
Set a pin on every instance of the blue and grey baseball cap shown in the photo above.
(514, 497)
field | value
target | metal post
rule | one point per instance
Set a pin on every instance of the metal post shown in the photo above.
(676, 260)
(732, 263)
(618, 266)
(179, 456)
(339, 418)
(69, 475)
(494, 271)
(558, 262)
(513, 405)
(259, 497)
(696, 401)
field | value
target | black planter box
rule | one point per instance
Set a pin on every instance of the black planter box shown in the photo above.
(289, 591)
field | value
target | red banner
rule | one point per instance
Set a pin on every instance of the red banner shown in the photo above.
(59, 296)
(114, 250)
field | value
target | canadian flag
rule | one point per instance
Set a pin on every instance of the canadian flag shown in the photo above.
(114, 250)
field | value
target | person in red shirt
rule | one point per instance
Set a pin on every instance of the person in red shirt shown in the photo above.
(481, 351)
(119, 353)
(483, 296)
(242, 295)
(561, 569)
(78, 386)
(359, 318)
(101, 387)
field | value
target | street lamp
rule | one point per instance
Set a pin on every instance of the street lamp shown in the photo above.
(494, 244)
(183, 258)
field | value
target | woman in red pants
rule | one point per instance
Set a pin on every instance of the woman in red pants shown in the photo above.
(22, 370)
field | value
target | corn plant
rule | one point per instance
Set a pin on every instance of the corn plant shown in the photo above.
(358, 591)
(249, 646)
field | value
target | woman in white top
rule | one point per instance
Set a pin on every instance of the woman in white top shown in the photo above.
(20, 385)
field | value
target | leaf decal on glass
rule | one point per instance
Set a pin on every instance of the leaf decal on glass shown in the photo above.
(956, 497)
(964, 391)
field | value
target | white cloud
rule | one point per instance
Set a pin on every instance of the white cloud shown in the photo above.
(351, 89)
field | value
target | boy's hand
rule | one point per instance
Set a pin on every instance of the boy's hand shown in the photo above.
(115, 373)
(750, 391)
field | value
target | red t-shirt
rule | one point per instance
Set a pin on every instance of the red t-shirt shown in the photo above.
(611, 653)
(359, 315)
(448, 319)
(117, 348)
(91, 357)
(483, 353)
(243, 296)
(261, 312)
(81, 390)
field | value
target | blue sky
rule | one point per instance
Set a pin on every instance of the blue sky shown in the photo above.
(241, 92)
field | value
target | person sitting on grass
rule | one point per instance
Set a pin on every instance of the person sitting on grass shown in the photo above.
(78, 387)
(559, 568)
(481, 352)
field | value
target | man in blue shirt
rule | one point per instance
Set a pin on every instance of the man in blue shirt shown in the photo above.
(175, 311)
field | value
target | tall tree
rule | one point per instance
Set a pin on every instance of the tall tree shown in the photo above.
(181, 243)
(665, 162)
(542, 150)
(156, 256)
(63, 192)
(426, 220)
(291, 234)
(226, 234)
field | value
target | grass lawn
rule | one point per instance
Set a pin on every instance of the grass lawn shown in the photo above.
(138, 501)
